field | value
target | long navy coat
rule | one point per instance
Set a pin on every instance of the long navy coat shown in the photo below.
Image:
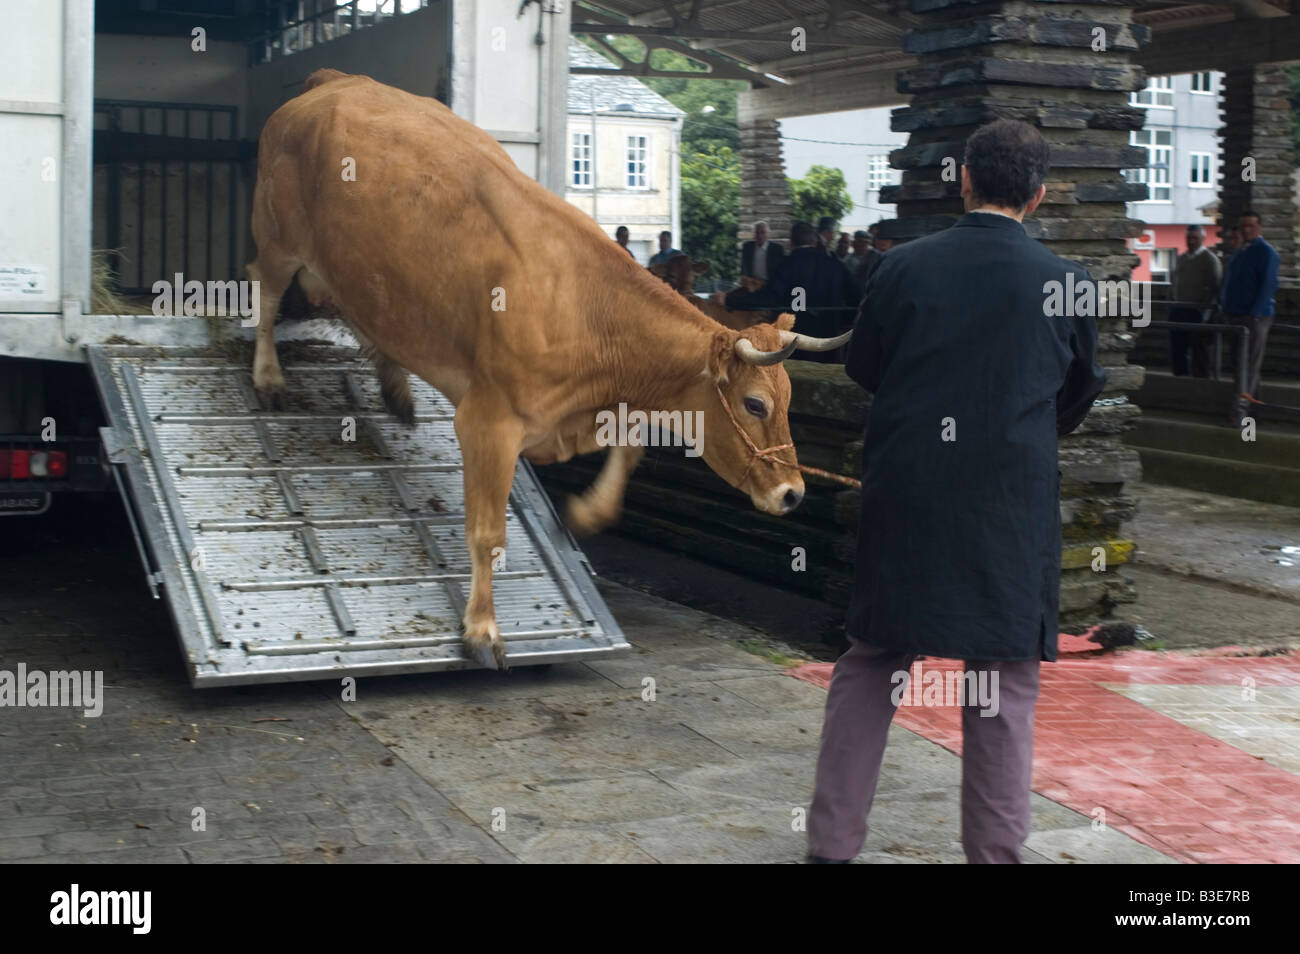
(959, 541)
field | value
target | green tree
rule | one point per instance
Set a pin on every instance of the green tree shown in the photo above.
(822, 191)
(710, 166)
(711, 207)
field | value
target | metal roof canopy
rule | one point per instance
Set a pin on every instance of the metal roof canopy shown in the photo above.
(288, 552)
(854, 47)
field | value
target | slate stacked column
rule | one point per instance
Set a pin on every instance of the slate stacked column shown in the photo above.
(764, 193)
(1258, 158)
(1065, 68)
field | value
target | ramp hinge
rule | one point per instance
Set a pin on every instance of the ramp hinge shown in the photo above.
(70, 319)
(114, 447)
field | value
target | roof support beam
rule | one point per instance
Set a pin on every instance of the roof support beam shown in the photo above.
(699, 33)
(853, 89)
(718, 68)
(1223, 46)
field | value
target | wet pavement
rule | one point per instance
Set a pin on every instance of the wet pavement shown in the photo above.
(699, 746)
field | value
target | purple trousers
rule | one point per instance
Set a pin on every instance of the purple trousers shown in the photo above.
(997, 756)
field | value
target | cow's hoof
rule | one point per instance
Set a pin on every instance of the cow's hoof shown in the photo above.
(583, 518)
(400, 406)
(271, 397)
(489, 651)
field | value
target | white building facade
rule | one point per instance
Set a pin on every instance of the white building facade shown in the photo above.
(623, 155)
(1181, 138)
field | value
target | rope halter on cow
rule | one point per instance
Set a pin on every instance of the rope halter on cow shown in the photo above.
(752, 355)
(768, 454)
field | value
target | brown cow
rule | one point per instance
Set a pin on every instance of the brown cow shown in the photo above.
(680, 272)
(423, 231)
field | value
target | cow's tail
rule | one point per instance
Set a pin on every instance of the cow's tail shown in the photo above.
(322, 76)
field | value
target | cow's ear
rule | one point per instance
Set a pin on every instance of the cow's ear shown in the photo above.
(722, 352)
(700, 267)
(785, 322)
(660, 269)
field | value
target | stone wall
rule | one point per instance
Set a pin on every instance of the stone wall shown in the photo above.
(1258, 161)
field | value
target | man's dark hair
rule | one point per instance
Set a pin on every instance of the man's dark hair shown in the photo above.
(861, 234)
(621, 228)
(802, 233)
(665, 234)
(1250, 213)
(826, 222)
(1007, 160)
(1195, 228)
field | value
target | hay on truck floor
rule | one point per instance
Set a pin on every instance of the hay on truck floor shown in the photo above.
(105, 298)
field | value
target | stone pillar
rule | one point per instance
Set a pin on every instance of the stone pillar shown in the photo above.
(764, 194)
(1257, 126)
(1065, 68)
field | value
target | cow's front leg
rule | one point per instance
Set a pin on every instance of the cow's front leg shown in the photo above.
(490, 441)
(600, 505)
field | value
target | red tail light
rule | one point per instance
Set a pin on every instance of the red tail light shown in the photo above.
(26, 464)
(16, 465)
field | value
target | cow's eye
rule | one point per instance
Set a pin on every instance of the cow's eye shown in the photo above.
(756, 407)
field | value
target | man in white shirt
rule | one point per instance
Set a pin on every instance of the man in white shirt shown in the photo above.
(758, 258)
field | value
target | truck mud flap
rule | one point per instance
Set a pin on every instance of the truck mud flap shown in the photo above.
(325, 539)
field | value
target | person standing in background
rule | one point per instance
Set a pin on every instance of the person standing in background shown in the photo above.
(826, 234)
(666, 250)
(621, 236)
(1197, 274)
(862, 261)
(760, 256)
(1246, 299)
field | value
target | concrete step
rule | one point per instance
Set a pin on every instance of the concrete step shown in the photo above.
(1213, 400)
(1232, 478)
(1275, 444)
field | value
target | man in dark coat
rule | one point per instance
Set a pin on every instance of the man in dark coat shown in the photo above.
(806, 282)
(760, 256)
(959, 541)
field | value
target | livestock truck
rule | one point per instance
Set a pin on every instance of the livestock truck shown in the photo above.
(128, 147)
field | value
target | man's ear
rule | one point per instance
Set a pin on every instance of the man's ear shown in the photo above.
(966, 187)
(1038, 197)
(722, 352)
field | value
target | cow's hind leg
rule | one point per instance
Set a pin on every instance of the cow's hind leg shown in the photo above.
(600, 504)
(274, 277)
(395, 389)
(490, 440)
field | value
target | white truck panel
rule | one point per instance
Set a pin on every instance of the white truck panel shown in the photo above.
(29, 206)
(31, 52)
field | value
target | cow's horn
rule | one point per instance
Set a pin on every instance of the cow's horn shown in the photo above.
(808, 343)
(751, 355)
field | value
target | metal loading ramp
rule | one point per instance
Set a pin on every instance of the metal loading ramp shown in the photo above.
(286, 551)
